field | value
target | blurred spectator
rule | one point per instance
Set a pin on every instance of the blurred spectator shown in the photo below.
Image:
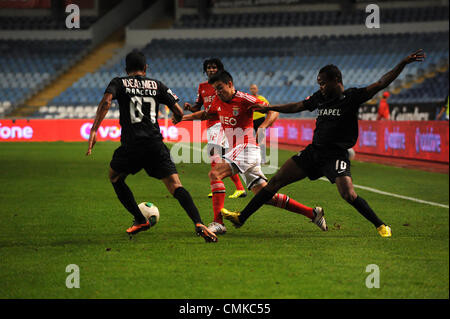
(444, 109)
(383, 107)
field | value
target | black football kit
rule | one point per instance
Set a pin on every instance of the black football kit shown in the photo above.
(142, 144)
(336, 131)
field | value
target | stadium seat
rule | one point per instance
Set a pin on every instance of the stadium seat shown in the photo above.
(285, 68)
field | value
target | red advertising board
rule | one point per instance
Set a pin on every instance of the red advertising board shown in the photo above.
(425, 140)
(78, 130)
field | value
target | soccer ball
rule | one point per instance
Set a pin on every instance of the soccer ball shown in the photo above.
(150, 211)
(351, 153)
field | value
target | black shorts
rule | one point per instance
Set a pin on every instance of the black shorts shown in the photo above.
(322, 161)
(258, 122)
(153, 157)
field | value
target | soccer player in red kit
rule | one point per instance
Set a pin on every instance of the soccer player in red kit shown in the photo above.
(236, 116)
(217, 143)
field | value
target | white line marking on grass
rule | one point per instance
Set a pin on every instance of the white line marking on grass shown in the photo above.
(374, 190)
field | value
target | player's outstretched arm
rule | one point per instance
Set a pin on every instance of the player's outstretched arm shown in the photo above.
(177, 112)
(272, 116)
(294, 107)
(387, 79)
(102, 109)
(200, 115)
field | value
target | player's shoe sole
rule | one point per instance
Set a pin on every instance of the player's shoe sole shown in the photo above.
(319, 218)
(238, 194)
(202, 230)
(217, 228)
(138, 228)
(384, 231)
(233, 217)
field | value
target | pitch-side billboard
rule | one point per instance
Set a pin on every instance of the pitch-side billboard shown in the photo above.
(425, 140)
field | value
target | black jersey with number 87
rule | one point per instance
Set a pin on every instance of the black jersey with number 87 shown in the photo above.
(139, 99)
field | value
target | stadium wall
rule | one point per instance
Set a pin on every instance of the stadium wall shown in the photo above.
(420, 140)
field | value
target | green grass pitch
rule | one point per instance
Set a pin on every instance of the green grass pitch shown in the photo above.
(57, 208)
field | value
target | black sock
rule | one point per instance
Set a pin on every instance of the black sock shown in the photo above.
(364, 209)
(127, 199)
(185, 199)
(257, 201)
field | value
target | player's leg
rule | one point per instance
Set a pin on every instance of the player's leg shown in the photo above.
(215, 147)
(174, 186)
(214, 157)
(240, 190)
(126, 161)
(125, 196)
(261, 134)
(224, 145)
(215, 154)
(176, 189)
(316, 214)
(289, 173)
(216, 175)
(158, 164)
(345, 187)
(285, 202)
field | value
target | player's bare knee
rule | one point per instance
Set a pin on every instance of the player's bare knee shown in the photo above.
(213, 175)
(173, 188)
(349, 196)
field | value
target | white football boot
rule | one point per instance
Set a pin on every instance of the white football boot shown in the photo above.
(217, 228)
(318, 219)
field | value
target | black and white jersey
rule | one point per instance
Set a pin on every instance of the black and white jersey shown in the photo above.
(337, 119)
(139, 99)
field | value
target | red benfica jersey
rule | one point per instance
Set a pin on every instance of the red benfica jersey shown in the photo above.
(236, 117)
(205, 96)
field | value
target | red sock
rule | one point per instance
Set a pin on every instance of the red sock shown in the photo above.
(283, 201)
(218, 199)
(237, 182)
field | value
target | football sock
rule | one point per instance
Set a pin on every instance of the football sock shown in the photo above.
(364, 209)
(127, 199)
(218, 199)
(237, 182)
(283, 201)
(257, 201)
(185, 200)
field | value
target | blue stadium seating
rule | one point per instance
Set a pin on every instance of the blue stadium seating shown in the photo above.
(431, 90)
(310, 18)
(41, 22)
(285, 69)
(27, 64)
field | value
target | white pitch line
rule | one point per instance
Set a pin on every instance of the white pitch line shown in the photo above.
(374, 190)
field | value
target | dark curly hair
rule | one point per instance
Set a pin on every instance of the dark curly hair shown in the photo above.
(215, 61)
